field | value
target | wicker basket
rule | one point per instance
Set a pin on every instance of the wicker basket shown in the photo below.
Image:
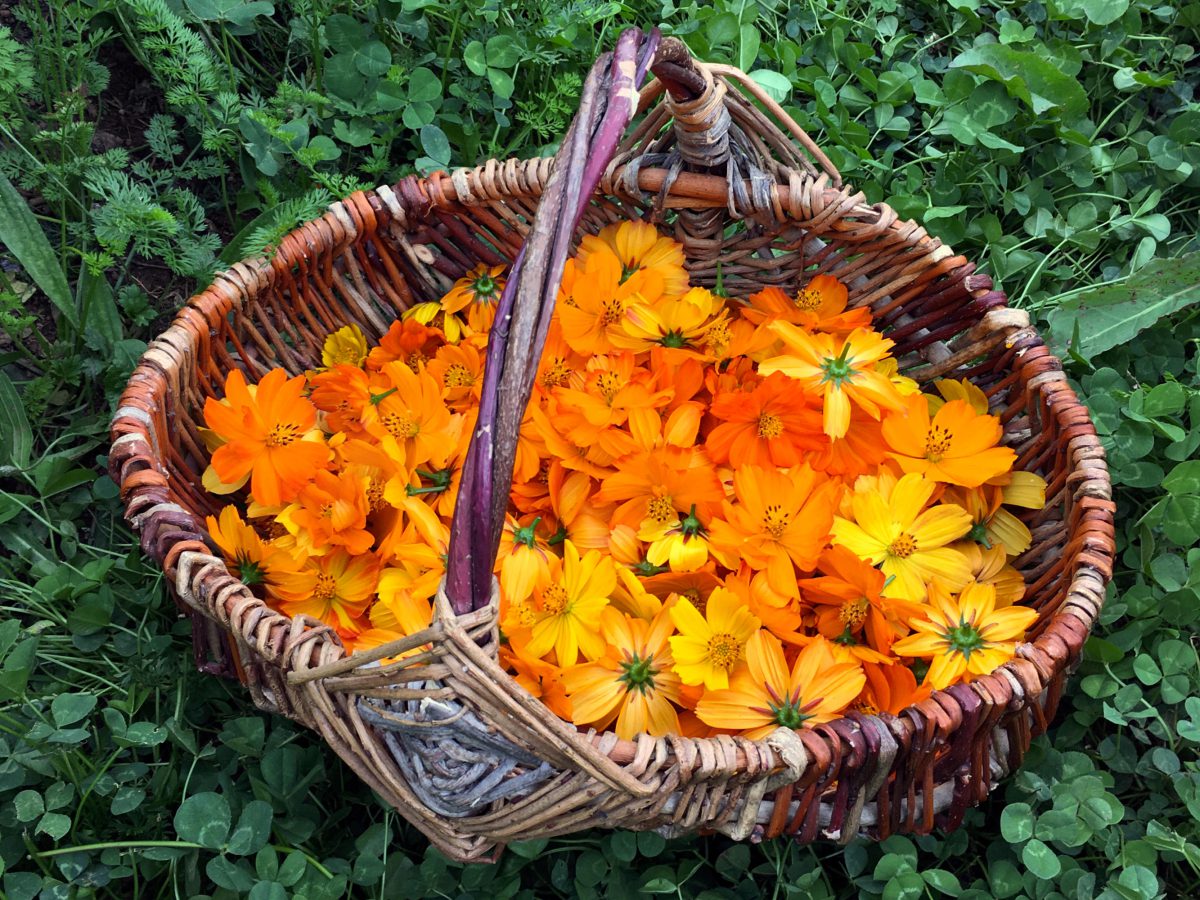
(446, 736)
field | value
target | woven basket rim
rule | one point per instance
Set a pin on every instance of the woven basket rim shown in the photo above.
(1087, 558)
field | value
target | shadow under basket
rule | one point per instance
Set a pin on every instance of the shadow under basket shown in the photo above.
(446, 736)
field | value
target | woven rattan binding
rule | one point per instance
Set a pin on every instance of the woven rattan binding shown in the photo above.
(445, 735)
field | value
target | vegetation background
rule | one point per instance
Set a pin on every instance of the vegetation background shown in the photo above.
(145, 143)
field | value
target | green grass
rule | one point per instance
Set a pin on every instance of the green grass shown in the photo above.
(148, 142)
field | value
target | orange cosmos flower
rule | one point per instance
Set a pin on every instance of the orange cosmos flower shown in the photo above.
(909, 541)
(966, 637)
(250, 558)
(406, 341)
(850, 599)
(859, 452)
(575, 517)
(841, 369)
(541, 679)
(593, 297)
(342, 393)
(780, 522)
(336, 589)
(708, 646)
(640, 250)
(890, 689)
(409, 418)
(616, 390)
(560, 365)
(818, 306)
(958, 446)
(330, 511)
(659, 484)
(478, 292)
(458, 368)
(270, 436)
(771, 425)
(568, 605)
(632, 683)
(677, 324)
(765, 696)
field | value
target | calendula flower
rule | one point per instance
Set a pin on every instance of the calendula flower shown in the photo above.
(780, 522)
(908, 540)
(478, 292)
(680, 542)
(774, 424)
(641, 251)
(346, 346)
(818, 306)
(957, 445)
(966, 637)
(765, 695)
(841, 369)
(568, 607)
(250, 558)
(633, 683)
(270, 436)
(708, 646)
(337, 589)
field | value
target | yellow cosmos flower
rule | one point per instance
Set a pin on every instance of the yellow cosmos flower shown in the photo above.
(907, 539)
(679, 542)
(569, 605)
(673, 323)
(842, 369)
(764, 695)
(633, 683)
(346, 346)
(966, 637)
(641, 250)
(991, 524)
(337, 589)
(708, 646)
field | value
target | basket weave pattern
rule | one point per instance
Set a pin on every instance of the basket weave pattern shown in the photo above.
(445, 735)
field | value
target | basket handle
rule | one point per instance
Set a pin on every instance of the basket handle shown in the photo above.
(610, 99)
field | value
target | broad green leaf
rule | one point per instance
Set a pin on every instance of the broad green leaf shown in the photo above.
(475, 57)
(372, 58)
(1104, 12)
(502, 51)
(435, 144)
(16, 437)
(1184, 478)
(423, 85)
(1028, 76)
(777, 86)
(1016, 823)
(1040, 859)
(67, 709)
(747, 46)
(1113, 314)
(344, 32)
(253, 828)
(23, 237)
(203, 819)
(236, 12)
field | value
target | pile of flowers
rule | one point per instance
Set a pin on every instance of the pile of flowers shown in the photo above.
(727, 515)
